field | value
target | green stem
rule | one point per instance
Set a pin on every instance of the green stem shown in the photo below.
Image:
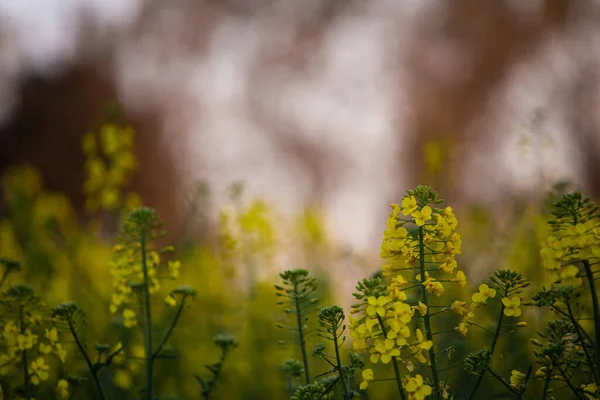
(339, 362)
(583, 343)
(493, 346)
(25, 363)
(4, 277)
(170, 331)
(93, 370)
(546, 383)
(426, 317)
(501, 380)
(568, 382)
(219, 366)
(301, 333)
(394, 362)
(590, 276)
(148, 323)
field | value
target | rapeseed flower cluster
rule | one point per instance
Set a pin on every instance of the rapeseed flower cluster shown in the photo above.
(133, 268)
(29, 343)
(575, 238)
(110, 163)
(420, 245)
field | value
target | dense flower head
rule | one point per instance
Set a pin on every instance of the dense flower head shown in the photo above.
(110, 164)
(419, 247)
(137, 263)
(441, 243)
(575, 237)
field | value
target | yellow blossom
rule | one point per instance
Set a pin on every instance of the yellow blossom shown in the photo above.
(62, 388)
(511, 306)
(61, 352)
(52, 335)
(368, 377)
(433, 286)
(422, 216)
(421, 308)
(170, 301)
(129, 320)
(173, 267)
(460, 279)
(409, 204)
(417, 389)
(45, 348)
(569, 276)
(484, 293)
(377, 305)
(39, 371)
(459, 307)
(517, 379)
(590, 391)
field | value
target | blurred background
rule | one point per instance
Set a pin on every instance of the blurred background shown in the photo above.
(326, 110)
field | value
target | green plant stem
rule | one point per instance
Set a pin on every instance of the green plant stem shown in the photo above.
(4, 277)
(590, 276)
(583, 344)
(546, 383)
(148, 323)
(217, 372)
(426, 317)
(26, 383)
(170, 331)
(568, 382)
(493, 346)
(301, 333)
(501, 380)
(331, 385)
(339, 362)
(93, 370)
(394, 362)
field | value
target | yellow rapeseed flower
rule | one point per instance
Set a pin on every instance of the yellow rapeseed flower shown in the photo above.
(39, 371)
(368, 377)
(409, 205)
(417, 389)
(511, 306)
(517, 379)
(484, 293)
(62, 388)
(422, 216)
(377, 305)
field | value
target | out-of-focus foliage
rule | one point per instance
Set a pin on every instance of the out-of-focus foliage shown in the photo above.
(238, 338)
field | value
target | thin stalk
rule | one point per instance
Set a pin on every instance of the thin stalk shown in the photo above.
(590, 276)
(93, 370)
(583, 344)
(170, 331)
(4, 277)
(568, 382)
(148, 325)
(211, 384)
(426, 317)
(331, 385)
(501, 380)
(546, 383)
(301, 333)
(492, 347)
(339, 363)
(25, 363)
(394, 362)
